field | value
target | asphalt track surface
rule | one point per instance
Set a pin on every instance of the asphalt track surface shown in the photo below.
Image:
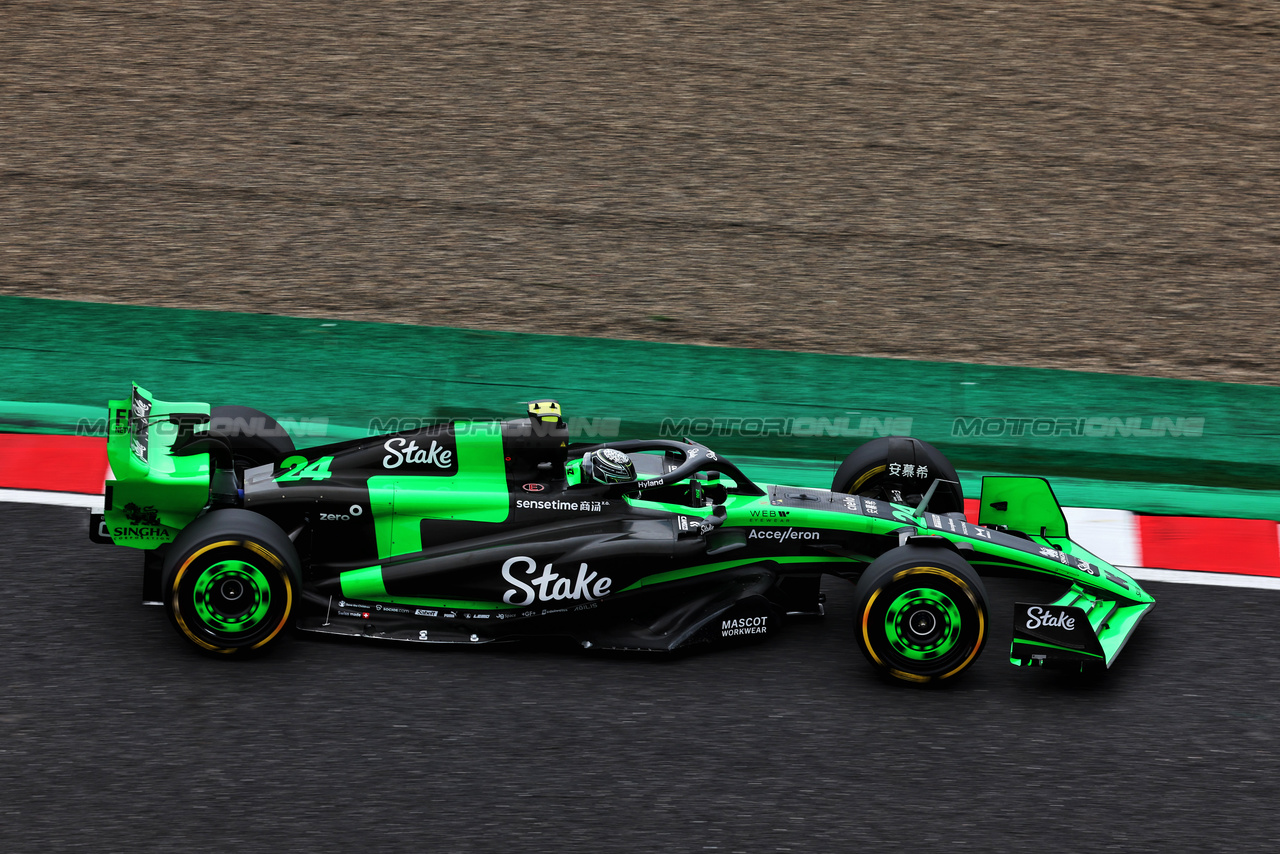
(118, 737)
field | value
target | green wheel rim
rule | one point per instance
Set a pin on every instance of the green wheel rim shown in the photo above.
(922, 624)
(231, 596)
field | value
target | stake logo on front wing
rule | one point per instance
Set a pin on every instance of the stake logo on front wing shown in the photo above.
(551, 586)
(1037, 617)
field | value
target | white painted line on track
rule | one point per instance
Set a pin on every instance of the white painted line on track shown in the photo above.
(1212, 579)
(58, 499)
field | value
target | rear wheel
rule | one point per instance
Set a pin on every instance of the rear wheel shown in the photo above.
(230, 581)
(900, 469)
(921, 614)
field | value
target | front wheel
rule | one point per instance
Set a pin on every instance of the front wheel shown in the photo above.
(921, 614)
(229, 582)
(900, 469)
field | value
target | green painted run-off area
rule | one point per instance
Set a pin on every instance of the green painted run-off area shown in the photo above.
(1156, 445)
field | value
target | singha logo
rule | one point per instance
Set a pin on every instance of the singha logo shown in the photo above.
(141, 515)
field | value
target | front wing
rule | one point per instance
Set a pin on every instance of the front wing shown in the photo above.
(1080, 629)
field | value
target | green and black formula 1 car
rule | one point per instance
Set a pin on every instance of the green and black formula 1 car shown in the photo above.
(473, 532)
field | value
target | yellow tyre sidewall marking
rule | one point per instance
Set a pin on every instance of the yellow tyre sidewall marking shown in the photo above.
(869, 473)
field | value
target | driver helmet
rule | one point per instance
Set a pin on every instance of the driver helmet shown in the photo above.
(608, 465)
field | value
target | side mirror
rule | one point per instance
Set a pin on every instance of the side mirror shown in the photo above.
(711, 486)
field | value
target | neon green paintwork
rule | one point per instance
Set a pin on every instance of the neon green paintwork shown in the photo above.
(367, 584)
(175, 488)
(477, 493)
(1030, 505)
(899, 610)
(1020, 662)
(257, 594)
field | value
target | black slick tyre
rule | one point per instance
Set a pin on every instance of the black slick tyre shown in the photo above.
(230, 582)
(888, 469)
(921, 614)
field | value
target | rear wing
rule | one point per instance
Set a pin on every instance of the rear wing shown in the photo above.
(153, 494)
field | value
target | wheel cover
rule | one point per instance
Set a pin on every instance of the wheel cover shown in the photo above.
(922, 624)
(231, 596)
(949, 631)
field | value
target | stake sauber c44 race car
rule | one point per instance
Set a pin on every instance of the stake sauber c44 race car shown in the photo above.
(473, 532)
